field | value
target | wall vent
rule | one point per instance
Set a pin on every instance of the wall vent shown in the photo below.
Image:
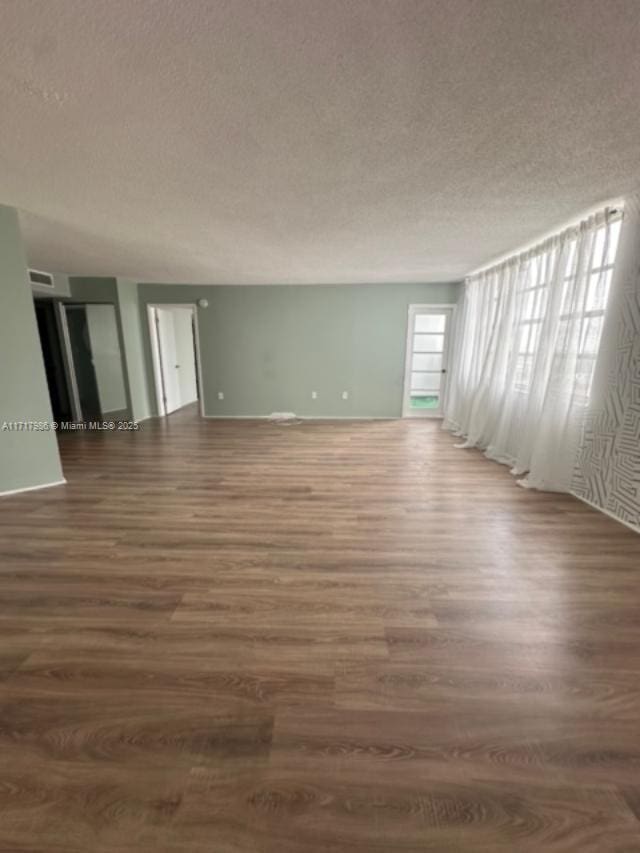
(41, 279)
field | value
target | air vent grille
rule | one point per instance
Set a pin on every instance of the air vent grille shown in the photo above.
(41, 279)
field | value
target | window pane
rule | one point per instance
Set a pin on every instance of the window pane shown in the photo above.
(598, 246)
(565, 340)
(425, 381)
(541, 302)
(598, 289)
(534, 303)
(584, 375)
(425, 401)
(571, 259)
(568, 289)
(430, 323)
(524, 333)
(422, 361)
(550, 264)
(425, 361)
(524, 367)
(591, 335)
(527, 305)
(614, 236)
(428, 343)
(528, 336)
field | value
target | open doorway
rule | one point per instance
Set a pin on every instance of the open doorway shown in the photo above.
(83, 360)
(54, 362)
(176, 356)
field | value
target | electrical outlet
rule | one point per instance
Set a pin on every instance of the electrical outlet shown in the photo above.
(345, 395)
(220, 395)
(314, 395)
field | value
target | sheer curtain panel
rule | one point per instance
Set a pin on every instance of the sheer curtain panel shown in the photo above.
(528, 338)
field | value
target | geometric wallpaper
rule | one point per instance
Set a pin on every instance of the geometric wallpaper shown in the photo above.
(607, 471)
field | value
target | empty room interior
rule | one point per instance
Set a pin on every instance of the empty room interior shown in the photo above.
(319, 426)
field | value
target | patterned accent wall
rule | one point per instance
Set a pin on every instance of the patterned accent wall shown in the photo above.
(608, 465)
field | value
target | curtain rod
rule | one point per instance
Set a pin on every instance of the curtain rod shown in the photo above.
(616, 208)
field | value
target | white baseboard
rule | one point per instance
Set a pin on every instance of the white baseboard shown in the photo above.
(349, 418)
(236, 417)
(115, 415)
(634, 527)
(32, 488)
(304, 418)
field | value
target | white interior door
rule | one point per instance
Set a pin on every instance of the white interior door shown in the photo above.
(185, 355)
(427, 356)
(168, 356)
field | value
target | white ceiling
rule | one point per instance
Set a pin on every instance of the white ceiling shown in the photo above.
(250, 141)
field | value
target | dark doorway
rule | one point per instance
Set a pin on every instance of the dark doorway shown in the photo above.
(82, 356)
(53, 361)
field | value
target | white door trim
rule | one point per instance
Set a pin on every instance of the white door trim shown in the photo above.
(157, 373)
(414, 309)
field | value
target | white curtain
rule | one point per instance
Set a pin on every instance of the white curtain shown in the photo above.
(527, 338)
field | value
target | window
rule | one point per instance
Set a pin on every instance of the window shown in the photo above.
(581, 313)
(583, 308)
(532, 300)
(523, 375)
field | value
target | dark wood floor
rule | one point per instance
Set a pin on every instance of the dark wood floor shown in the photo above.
(237, 637)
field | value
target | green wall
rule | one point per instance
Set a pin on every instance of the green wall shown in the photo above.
(268, 347)
(27, 458)
(93, 289)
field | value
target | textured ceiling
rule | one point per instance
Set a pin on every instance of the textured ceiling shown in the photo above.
(242, 141)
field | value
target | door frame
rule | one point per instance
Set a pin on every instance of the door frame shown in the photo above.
(417, 308)
(67, 357)
(58, 326)
(77, 401)
(61, 306)
(158, 382)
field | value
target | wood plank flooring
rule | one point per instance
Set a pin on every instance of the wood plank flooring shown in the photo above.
(238, 637)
